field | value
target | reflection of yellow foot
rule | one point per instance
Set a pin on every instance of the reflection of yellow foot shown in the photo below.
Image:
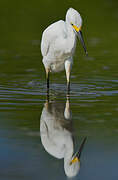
(46, 104)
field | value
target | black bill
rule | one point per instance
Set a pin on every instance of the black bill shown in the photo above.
(80, 36)
(78, 154)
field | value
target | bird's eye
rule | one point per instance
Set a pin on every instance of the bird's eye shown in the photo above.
(72, 24)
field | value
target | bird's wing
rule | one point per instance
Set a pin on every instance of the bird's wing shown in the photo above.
(45, 43)
(50, 34)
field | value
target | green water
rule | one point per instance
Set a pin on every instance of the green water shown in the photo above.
(93, 96)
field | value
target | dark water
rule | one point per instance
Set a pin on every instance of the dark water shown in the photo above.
(93, 96)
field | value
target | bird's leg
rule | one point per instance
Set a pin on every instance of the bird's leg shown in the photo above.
(68, 70)
(68, 86)
(47, 77)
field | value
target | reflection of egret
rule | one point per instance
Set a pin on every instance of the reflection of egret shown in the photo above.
(59, 42)
(56, 136)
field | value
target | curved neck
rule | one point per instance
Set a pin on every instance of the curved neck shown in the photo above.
(69, 148)
(70, 37)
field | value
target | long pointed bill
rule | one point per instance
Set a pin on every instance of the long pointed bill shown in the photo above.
(77, 155)
(80, 36)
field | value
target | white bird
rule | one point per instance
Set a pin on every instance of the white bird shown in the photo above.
(56, 136)
(59, 42)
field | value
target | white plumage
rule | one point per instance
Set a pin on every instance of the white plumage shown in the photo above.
(59, 42)
(56, 135)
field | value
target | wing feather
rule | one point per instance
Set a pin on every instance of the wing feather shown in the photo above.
(50, 34)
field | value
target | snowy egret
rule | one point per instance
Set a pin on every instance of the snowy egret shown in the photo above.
(56, 135)
(59, 42)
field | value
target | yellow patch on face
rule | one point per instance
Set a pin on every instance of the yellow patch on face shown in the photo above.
(76, 159)
(76, 28)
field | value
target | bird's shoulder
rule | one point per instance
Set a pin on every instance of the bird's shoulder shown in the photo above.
(50, 34)
(55, 28)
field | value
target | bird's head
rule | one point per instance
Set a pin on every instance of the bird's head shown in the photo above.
(74, 19)
(73, 166)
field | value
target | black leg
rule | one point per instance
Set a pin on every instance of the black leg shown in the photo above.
(47, 78)
(47, 96)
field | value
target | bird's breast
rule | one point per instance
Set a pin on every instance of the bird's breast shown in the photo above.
(60, 49)
(64, 47)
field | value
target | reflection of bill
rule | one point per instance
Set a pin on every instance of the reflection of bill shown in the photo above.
(56, 135)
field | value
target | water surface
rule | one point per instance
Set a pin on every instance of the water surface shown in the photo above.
(93, 96)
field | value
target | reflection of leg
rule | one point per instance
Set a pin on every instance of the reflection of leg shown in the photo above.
(47, 96)
(47, 104)
(67, 112)
(47, 77)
